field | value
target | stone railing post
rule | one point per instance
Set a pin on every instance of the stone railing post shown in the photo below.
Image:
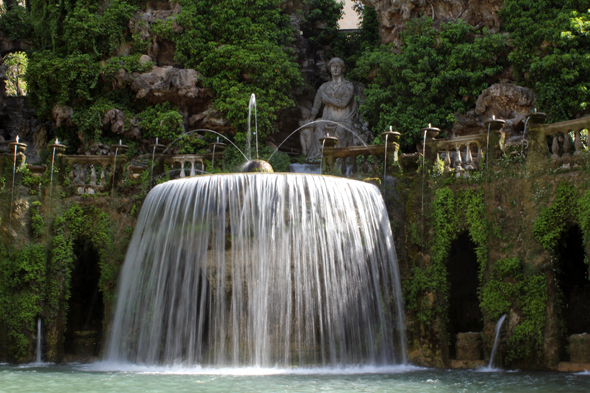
(328, 144)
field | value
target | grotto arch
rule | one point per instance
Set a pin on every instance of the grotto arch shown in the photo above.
(573, 284)
(463, 302)
(85, 315)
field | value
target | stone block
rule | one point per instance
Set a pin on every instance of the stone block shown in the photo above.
(469, 346)
(84, 343)
(580, 348)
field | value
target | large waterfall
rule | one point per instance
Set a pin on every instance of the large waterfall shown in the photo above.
(260, 269)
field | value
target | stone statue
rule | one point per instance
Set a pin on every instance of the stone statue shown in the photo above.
(337, 98)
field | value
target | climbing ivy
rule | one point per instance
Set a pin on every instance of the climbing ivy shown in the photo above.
(527, 337)
(450, 212)
(501, 289)
(22, 285)
(552, 221)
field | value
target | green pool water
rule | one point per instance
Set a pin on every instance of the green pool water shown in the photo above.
(103, 377)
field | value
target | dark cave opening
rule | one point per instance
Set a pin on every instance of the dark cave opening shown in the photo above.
(462, 273)
(574, 283)
(83, 335)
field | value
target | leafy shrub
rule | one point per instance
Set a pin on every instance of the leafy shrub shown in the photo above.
(434, 74)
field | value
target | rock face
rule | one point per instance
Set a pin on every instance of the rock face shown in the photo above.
(580, 348)
(469, 346)
(393, 14)
(161, 50)
(16, 118)
(508, 102)
(180, 86)
(505, 101)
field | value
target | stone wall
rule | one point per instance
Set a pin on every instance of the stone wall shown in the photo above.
(393, 14)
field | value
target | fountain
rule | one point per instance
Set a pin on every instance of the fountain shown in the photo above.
(496, 341)
(39, 358)
(394, 138)
(220, 147)
(260, 269)
(159, 148)
(492, 125)
(123, 148)
(53, 147)
(17, 147)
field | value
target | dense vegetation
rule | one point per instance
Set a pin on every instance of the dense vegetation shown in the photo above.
(437, 73)
(240, 47)
(550, 52)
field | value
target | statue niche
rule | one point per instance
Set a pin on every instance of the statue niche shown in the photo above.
(337, 98)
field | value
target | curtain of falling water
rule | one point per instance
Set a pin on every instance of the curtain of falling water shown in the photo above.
(260, 269)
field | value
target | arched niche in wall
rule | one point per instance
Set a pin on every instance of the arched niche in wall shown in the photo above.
(464, 312)
(84, 327)
(573, 284)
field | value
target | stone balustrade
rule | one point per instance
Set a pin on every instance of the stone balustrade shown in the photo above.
(93, 174)
(560, 140)
(462, 153)
(351, 157)
(362, 160)
(186, 164)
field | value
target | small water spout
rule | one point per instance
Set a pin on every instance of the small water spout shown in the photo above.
(13, 176)
(39, 359)
(213, 156)
(496, 341)
(51, 181)
(488, 143)
(524, 133)
(153, 156)
(385, 159)
(252, 104)
(322, 159)
(114, 171)
(423, 164)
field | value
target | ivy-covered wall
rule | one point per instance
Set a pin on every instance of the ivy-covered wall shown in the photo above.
(37, 257)
(516, 214)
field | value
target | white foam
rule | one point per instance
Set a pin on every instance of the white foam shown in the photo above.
(36, 365)
(488, 369)
(243, 371)
(585, 372)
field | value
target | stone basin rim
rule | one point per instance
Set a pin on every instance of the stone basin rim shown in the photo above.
(267, 174)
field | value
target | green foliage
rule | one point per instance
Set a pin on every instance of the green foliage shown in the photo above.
(162, 121)
(450, 213)
(435, 74)
(37, 223)
(500, 291)
(16, 22)
(16, 65)
(527, 336)
(322, 22)
(584, 220)
(551, 43)
(552, 221)
(91, 28)
(21, 293)
(240, 47)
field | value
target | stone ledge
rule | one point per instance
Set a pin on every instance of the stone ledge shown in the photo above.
(467, 364)
(570, 367)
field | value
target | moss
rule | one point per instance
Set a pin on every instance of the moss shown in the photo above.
(499, 293)
(527, 337)
(552, 221)
(22, 283)
(450, 213)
